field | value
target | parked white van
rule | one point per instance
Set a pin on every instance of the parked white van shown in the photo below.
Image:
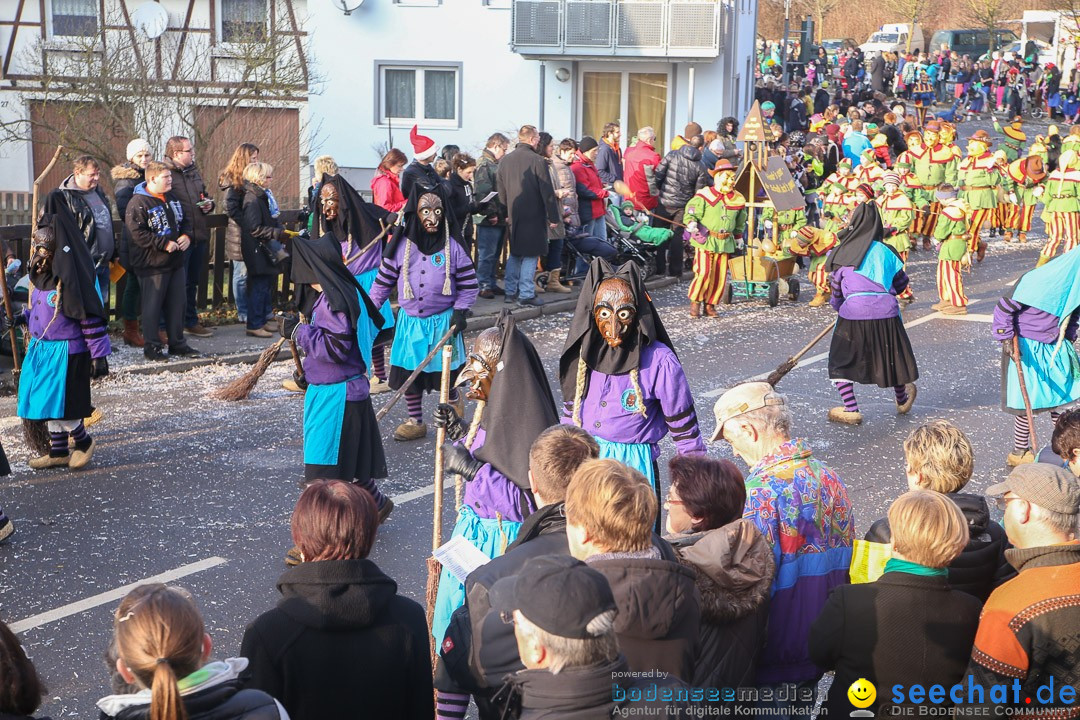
(893, 37)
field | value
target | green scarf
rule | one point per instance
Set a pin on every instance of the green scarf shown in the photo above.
(906, 566)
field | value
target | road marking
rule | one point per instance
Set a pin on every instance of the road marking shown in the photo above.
(970, 317)
(112, 595)
(422, 492)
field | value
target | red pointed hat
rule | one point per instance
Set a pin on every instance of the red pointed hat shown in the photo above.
(423, 146)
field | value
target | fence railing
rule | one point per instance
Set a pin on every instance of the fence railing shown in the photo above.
(215, 278)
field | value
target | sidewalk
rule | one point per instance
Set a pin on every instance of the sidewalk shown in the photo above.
(230, 344)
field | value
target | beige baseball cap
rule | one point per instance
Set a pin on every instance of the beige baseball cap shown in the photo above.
(742, 399)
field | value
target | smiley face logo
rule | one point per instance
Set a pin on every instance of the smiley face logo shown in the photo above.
(862, 693)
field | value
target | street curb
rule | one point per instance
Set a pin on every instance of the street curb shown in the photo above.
(476, 323)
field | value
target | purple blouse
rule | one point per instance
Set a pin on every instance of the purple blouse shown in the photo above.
(427, 274)
(333, 354)
(82, 335)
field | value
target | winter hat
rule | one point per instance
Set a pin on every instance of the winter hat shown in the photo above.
(890, 177)
(768, 105)
(423, 147)
(587, 143)
(137, 146)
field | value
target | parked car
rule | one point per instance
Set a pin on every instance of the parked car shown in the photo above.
(1044, 52)
(973, 43)
(893, 37)
(835, 45)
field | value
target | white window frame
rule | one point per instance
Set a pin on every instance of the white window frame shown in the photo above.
(420, 68)
(219, 23)
(50, 31)
(625, 71)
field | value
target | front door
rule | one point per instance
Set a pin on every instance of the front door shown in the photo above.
(635, 98)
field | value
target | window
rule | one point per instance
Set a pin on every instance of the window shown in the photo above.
(74, 18)
(427, 95)
(243, 20)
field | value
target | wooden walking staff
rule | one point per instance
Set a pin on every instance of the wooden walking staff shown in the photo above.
(415, 374)
(1024, 393)
(434, 567)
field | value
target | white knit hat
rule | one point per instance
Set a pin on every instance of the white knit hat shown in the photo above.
(137, 146)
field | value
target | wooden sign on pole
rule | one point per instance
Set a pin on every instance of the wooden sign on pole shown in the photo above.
(753, 128)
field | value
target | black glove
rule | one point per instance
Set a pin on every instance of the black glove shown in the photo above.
(445, 416)
(889, 231)
(303, 217)
(458, 461)
(21, 319)
(99, 368)
(288, 325)
(300, 379)
(459, 319)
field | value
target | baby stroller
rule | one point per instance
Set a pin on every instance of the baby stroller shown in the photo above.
(634, 239)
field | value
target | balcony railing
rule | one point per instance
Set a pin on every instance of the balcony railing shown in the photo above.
(620, 28)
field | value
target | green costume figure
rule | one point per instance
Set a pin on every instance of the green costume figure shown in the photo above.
(979, 177)
(1022, 181)
(951, 231)
(1062, 197)
(897, 215)
(787, 224)
(715, 220)
(1013, 142)
(935, 165)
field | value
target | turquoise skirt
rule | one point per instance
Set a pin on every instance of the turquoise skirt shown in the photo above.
(491, 536)
(415, 337)
(324, 413)
(43, 380)
(366, 332)
(1052, 381)
(636, 455)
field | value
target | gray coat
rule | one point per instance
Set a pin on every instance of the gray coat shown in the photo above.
(564, 180)
(525, 190)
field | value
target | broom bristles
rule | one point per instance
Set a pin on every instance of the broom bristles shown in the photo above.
(36, 435)
(240, 388)
(434, 572)
(778, 374)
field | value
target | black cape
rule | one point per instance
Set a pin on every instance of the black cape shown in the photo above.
(319, 261)
(863, 228)
(585, 340)
(410, 227)
(356, 217)
(520, 406)
(72, 265)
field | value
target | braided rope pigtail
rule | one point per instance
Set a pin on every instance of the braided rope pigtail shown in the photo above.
(446, 251)
(474, 426)
(579, 389)
(408, 293)
(635, 382)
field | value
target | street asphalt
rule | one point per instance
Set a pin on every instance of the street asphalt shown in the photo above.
(200, 491)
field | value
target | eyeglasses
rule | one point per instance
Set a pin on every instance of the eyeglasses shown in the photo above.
(1003, 501)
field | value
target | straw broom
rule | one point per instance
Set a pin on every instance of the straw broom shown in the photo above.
(241, 387)
(434, 567)
(788, 365)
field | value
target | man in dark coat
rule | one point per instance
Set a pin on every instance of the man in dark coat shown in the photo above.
(525, 190)
(479, 649)
(679, 175)
(877, 73)
(190, 190)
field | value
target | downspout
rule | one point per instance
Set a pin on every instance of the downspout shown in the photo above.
(543, 79)
(690, 95)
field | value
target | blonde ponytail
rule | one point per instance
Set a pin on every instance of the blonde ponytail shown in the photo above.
(165, 702)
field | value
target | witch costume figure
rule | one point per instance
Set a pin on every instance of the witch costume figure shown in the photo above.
(341, 435)
(436, 285)
(869, 344)
(514, 405)
(69, 341)
(620, 377)
(361, 229)
(1041, 313)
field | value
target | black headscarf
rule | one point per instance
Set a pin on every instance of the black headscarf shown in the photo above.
(585, 340)
(356, 216)
(72, 265)
(519, 408)
(863, 228)
(410, 227)
(319, 261)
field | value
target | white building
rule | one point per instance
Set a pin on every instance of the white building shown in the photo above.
(462, 69)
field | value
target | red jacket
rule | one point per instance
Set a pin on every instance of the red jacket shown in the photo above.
(585, 174)
(386, 191)
(634, 161)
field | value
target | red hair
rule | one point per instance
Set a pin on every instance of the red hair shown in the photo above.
(334, 520)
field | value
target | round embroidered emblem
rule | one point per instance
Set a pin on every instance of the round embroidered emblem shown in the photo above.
(630, 400)
(438, 259)
(50, 299)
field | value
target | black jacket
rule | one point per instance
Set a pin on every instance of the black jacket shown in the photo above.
(153, 224)
(588, 693)
(485, 181)
(341, 643)
(526, 191)
(416, 172)
(125, 178)
(679, 176)
(189, 188)
(903, 629)
(482, 649)
(85, 217)
(659, 620)
(981, 566)
(897, 144)
(733, 568)
(257, 227)
(463, 205)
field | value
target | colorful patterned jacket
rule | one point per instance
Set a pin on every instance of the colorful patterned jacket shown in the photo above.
(801, 507)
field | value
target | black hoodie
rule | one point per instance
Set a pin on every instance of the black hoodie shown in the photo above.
(341, 643)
